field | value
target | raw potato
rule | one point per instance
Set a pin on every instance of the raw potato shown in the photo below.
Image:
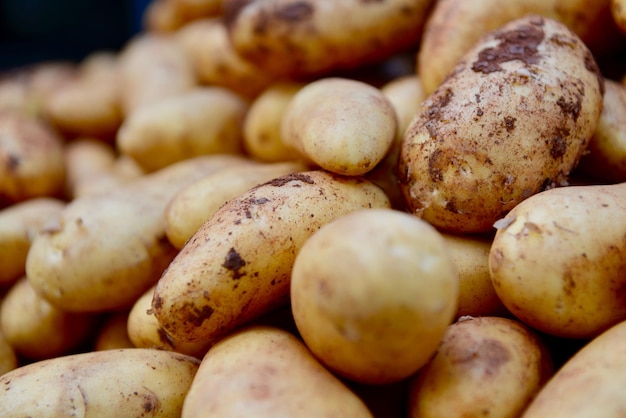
(203, 121)
(454, 26)
(86, 158)
(342, 125)
(292, 38)
(8, 358)
(406, 94)
(372, 293)
(109, 248)
(470, 255)
(113, 334)
(195, 9)
(125, 383)
(196, 203)
(19, 223)
(262, 136)
(162, 16)
(513, 119)
(606, 156)
(38, 330)
(485, 367)
(557, 260)
(589, 384)
(31, 159)
(237, 266)
(618, 11)
(267, 372)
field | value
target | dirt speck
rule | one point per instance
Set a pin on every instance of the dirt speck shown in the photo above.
(234, 263)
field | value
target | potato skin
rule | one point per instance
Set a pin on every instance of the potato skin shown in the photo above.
(264, 371)
(485, 366)
(237, 266)
(122, 383)
(557, 260)
(512, 119)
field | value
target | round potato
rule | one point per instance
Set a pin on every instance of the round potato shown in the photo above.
(513, 119)
(379, 314)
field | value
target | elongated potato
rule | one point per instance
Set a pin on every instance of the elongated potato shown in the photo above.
(378, 315)
(589, 384)
(8, 357)
(237, 266)
(19, 223)
(292, 38)
(513, 119)
(196, 203)
(38, 330)
(485, 367)
(130, 382)
(557, 260)
(202, 121)
(264, 371)
(108, 248)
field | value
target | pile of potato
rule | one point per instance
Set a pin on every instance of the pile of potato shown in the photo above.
(280, 208)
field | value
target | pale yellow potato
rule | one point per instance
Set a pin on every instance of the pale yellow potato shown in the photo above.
(605, 159)
(31, 158)
(618, 11)
(455, 26)
(162, 16)
(153, 67)
(237, 266)
(589, 384)
(145, 331)
(85, 159)
(262, 138)
(19, 223)
(470, 254)
(406, 94)
(513, 119)
(205, 120)
(215, 62)
(196, 203)
(293, 38)
(264, 371)
(341, 125)
(8, 357)
(113, 333)
(38, 330)
(108, 248)
(124, 383)
(372, 293)
(123, 170)
(485, 367)
(557, 260)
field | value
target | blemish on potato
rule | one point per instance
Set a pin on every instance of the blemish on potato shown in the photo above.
(558, 147)
(295, 12)
(570, 108)
(234, 262)
(281, 181)
(509, 123)
(196, 316)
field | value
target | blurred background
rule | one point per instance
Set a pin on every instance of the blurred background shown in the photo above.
(40, 30)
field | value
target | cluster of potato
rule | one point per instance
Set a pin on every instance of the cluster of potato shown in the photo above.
(400, 208)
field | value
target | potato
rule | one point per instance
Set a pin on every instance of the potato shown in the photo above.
(557, 260)
(8, 358)
(267, 372)
(308, 38)
(196, 203)
(130, 382)
(31, 159)
(513, 119)
(216, 63)
(195, 9)
(262, 138)
(237, 266)
(406, 95)
(454, 26)
(589, 384)
(38, 330)
(86, 158)
(487, 366)
(379, 314)
(618, 12)
(19, 223)
(122, 171)
(109, 248)
(341, 125)
(162, 16)
(203, 121)
(113, 333)
(470, 254)
(606, 156)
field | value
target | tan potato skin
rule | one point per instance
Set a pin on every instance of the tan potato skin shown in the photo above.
(264, 371)
(573, 236)
(618, 11)
(108, 248)
(308, 38)
(19, 223)
(8, 357)
(113, 333)
(237, 266)
(485, 366)
(124, 383)
(513, 119)
(86, 158)
(589, 384)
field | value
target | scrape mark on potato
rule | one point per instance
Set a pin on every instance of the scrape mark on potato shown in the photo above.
(281, 181)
